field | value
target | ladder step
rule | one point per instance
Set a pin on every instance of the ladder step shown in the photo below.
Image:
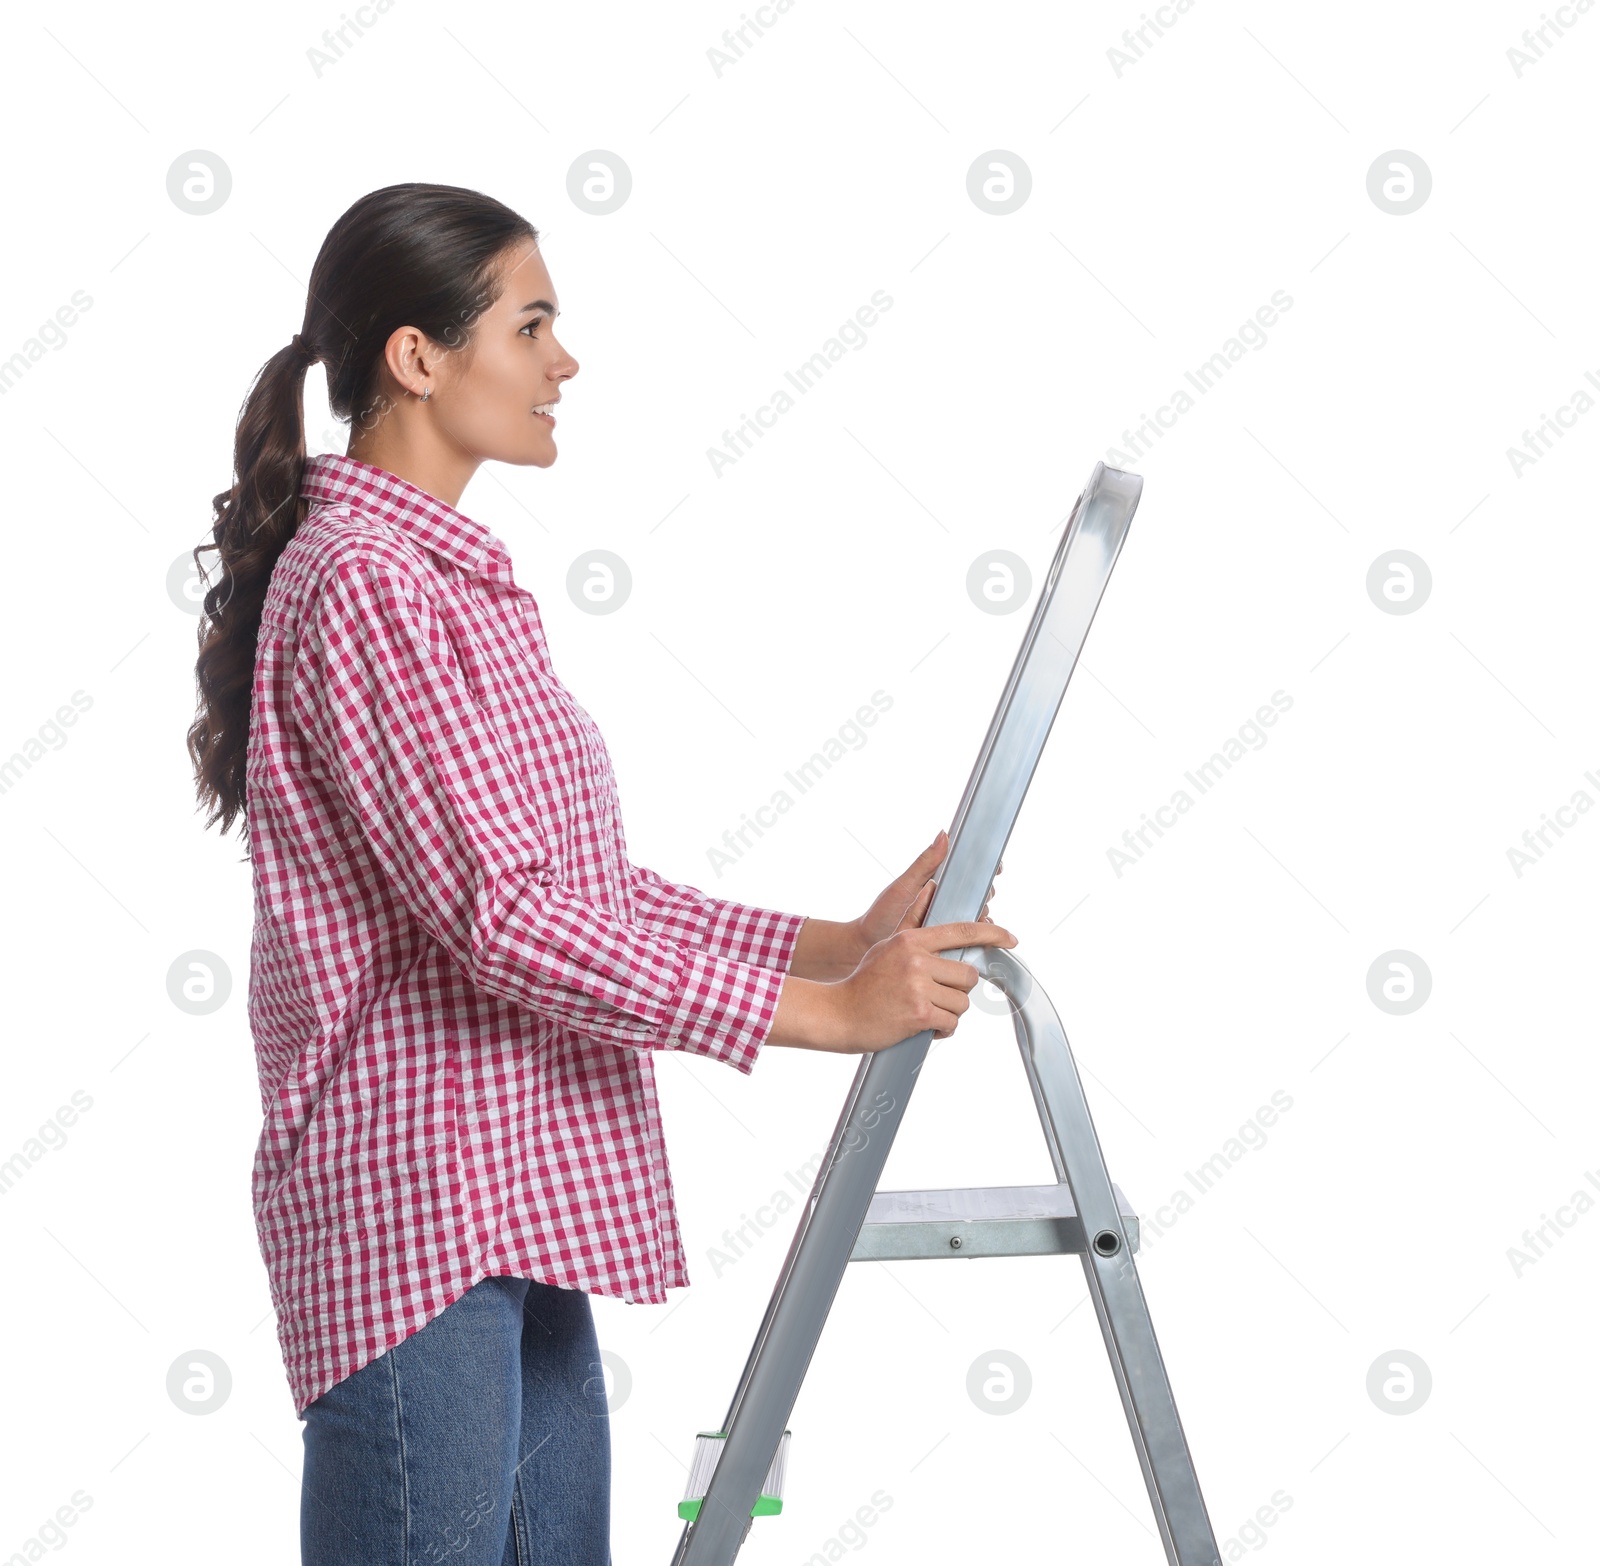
(995, 1220)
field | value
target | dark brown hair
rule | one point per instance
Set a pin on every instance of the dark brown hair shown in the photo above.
(408, 255)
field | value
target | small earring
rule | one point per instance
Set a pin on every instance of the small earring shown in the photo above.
(427, 392)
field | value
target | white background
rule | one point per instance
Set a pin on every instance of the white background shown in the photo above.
(769, 202)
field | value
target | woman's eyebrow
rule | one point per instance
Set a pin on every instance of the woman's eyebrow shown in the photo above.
(539, 304)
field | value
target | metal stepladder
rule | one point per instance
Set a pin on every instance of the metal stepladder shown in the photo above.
(846, 1218)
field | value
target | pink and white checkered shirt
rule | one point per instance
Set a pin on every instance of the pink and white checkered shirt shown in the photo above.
(456, 975)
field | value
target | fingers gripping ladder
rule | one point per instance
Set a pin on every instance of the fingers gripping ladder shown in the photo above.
(846, 1217)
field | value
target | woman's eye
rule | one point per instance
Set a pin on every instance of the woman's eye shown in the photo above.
(531, 325)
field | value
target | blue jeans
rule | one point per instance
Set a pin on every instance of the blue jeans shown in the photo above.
(483, 1439)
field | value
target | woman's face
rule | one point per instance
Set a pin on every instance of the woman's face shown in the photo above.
(487, 396)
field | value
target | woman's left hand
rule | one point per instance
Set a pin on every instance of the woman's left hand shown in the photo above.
(883, 918)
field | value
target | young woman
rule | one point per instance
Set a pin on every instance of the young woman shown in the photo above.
(457, 975)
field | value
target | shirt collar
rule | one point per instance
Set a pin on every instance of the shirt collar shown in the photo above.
(331, 478)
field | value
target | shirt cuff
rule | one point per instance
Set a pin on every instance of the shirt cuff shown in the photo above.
(725, 1010)
(762, 937)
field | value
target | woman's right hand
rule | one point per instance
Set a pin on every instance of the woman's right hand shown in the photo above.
(900, 987)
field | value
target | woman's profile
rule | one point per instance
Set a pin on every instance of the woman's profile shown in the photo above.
(458, 977)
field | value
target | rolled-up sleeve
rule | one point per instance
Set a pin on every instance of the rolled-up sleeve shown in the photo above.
(762, 936)
(454, 826)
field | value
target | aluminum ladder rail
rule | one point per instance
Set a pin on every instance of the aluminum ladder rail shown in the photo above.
(1088, 1216)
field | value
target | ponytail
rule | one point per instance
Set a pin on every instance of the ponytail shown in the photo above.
(252, 524)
